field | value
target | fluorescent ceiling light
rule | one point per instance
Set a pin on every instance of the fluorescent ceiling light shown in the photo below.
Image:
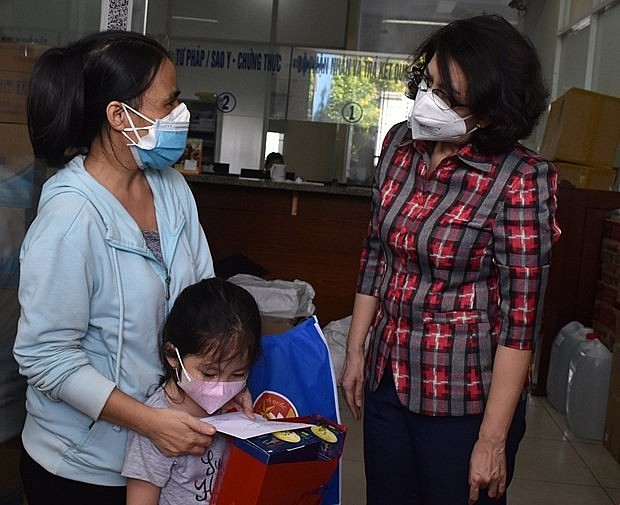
(201, 20)
(414, 22)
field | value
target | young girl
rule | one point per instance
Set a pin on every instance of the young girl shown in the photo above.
(209, 342)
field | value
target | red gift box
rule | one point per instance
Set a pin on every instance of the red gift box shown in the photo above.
(281, 470)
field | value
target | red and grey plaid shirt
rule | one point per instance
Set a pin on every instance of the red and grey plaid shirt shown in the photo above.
(458, 260)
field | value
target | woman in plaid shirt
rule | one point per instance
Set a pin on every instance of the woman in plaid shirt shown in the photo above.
(453, 273)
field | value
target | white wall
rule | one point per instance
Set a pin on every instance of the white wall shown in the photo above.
(540, 24)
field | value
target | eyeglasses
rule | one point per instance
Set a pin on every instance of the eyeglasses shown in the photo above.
(441, 98)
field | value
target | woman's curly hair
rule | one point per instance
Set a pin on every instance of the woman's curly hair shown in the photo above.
(503, 72)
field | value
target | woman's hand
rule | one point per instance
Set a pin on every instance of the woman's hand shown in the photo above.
(487, 464)
(352, 377)
(352, 380)
(242, 402)
(487, 469)
(176, 433)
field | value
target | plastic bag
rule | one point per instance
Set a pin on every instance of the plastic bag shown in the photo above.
(278, 298)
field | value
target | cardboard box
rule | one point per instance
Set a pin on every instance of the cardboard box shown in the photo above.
(611, 437)
(604, 321)
(267, 470)
(606, 334)
(606, 294)
(16, 166)
(586, 177)
(583, 127)
(16, 61)
(610, 274)
(13, 96)
(20, 56)
(610, 251)
(276, 325)
(612, 228)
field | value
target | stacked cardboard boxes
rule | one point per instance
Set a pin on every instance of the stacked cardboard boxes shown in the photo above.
(606, 316)
(606, 322)
(16, 159)
(611, 437)
(17, 199)
(581, 138)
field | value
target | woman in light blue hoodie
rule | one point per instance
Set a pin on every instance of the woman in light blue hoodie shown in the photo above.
(116, 238)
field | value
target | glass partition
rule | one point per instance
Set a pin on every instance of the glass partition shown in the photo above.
(326, 110)
(359, 94)
(55, 23)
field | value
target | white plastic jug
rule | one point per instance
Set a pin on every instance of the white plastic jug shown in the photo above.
(588, 386)
(564, 344)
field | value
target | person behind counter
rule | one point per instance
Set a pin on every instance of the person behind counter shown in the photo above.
(453, 273)
(272, 159)
(116, 239)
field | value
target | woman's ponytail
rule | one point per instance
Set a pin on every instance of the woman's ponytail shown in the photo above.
(56, 105)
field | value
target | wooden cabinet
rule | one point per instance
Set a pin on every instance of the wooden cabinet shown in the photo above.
(575, 268)
(312, 236)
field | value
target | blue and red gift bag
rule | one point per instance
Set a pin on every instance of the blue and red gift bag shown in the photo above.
(293, 377)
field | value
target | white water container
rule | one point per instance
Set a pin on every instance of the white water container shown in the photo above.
(564, 344)
(588, 387)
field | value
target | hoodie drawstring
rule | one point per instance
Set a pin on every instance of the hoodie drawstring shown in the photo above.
(121, 317)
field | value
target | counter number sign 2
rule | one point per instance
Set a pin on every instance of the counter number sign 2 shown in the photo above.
(226, 102)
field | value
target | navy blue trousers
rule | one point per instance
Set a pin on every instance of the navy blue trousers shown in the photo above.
(411, 459)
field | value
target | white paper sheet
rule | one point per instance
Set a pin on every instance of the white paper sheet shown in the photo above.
(238, 425)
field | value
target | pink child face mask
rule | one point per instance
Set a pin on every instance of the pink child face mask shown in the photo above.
(210, 395)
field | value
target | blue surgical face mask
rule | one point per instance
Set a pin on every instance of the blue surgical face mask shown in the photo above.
(165, 141)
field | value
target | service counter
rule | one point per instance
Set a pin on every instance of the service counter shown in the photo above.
(314, 233)
(306, 231)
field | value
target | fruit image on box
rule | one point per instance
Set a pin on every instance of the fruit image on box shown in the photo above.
(281, 468)
(321, 441)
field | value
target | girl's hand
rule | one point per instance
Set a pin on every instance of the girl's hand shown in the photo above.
(352, 381)
(176, 433)
(242, 402)
(487, 469)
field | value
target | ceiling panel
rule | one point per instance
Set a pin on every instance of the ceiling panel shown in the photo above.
(387, 25)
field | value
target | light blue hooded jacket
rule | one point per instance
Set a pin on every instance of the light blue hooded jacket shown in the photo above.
(94, 299)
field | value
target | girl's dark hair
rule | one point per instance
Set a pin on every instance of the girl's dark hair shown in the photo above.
(70, 88)
(503, 73)
(214, 317)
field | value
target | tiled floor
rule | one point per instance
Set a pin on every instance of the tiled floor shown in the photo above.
(553, 466)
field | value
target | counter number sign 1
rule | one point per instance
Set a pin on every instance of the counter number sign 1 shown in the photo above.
(352, 112)
(226, 102)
